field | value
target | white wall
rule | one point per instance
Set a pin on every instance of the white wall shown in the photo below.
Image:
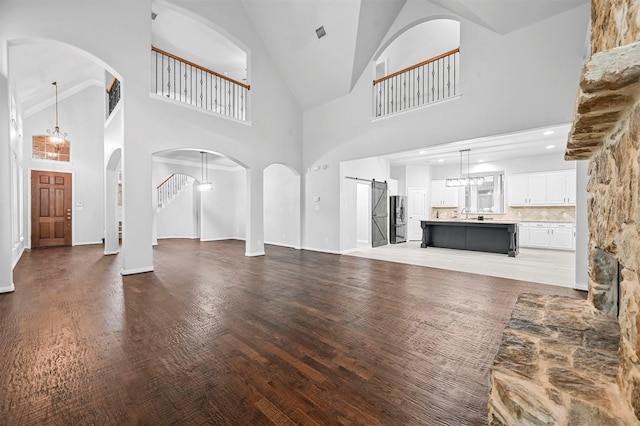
(281, 206)
(179, 219)
(522, 80)
(82, 116)
(368, 168)
(422, 42)
(364, 212)
(151, 124)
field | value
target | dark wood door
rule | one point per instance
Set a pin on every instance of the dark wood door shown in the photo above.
(379, 214)
(50, 209)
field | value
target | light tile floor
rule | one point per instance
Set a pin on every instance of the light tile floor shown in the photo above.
(555, 267)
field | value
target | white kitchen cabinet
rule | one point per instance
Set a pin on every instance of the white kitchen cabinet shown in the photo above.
(561, 237)
(539, 235)
(561, 188)
(527, 189)
(547, 235)
(523, 234)
(442, 195)
(542, 189)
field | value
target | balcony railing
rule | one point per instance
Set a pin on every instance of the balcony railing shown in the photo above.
(192, 84)
(429, 81)
(113, 94)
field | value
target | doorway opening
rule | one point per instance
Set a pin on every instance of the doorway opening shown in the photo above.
(51, 198)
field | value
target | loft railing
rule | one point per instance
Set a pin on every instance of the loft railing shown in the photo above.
(192, 84)
(429, 81)
(170, 188)
(113, 94)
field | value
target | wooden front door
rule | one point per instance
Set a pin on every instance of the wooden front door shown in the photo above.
(50, 209)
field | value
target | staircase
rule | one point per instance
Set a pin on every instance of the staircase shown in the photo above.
(170, 188)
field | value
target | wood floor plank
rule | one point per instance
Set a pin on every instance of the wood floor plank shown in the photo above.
(214, 337)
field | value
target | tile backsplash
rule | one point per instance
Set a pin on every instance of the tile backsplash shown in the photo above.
(523, 214)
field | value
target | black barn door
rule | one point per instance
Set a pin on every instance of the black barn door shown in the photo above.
(379, 219)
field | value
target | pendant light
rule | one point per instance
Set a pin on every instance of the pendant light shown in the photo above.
(205, 185)
(56, 135)
(464, 181)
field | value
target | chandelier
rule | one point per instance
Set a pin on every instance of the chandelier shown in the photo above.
(462, 180)
(205, 185)
(56, 135)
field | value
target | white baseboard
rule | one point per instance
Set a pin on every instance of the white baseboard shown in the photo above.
(322, 250)
(181, 237)
(258, 253)
(580, 286)
(16, 259)
(8, 289)
(88, 243)
(282, 245)
(217, 239)
(136, 271)
(109, 253)
(347, 251)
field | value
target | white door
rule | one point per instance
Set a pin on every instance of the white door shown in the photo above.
(417, 212)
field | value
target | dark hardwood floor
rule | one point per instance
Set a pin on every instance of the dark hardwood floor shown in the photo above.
(214, 337)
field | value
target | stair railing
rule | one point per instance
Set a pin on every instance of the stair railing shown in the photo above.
(170, 188)
(429, 81)
(179, 79)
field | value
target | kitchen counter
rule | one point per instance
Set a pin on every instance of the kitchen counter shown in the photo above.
(492, 236)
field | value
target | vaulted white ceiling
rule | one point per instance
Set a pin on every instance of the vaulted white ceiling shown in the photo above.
(315, 70)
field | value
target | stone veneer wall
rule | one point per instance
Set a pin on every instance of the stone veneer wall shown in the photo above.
(614, 209)
(614, 216)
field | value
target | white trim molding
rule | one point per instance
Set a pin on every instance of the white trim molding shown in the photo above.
(9, 289)
(136, 271)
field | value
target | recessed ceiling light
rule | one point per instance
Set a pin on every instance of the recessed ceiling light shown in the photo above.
(548, 133)
(320, 32)
(550, 146)
(423, 152)
(440, 160)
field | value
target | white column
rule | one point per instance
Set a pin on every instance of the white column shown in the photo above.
(137, 204)
(582, 226)
(6, 259)
(111, 243)
(254, 244)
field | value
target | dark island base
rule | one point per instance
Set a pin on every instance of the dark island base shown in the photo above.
(476, 236)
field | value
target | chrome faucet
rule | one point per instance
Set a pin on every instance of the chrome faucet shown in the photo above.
(465, 210)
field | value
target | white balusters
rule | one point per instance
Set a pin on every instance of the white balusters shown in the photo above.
(171, 188)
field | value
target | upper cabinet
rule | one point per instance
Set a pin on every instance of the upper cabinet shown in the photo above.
(442, 195)
(561, 188)
(542, 189)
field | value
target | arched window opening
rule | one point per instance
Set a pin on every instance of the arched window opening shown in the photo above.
(419, 67)
(193, 64)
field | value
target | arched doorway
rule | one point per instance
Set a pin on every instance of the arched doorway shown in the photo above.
(215, 214)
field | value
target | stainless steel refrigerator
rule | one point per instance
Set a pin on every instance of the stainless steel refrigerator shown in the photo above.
(397, 219)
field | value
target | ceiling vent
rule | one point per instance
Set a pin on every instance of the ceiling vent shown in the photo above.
(320, 32)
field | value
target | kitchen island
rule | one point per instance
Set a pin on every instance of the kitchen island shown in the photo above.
(492, 236)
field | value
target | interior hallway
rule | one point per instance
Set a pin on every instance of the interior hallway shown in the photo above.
(555, 267)
(212, 336)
